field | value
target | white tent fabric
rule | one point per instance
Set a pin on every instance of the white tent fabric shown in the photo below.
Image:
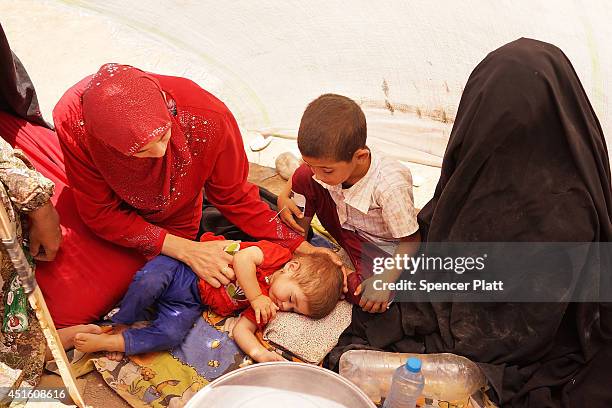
(405, 62)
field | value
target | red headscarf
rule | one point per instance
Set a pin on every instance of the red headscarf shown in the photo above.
(102, 120)
(123, 110)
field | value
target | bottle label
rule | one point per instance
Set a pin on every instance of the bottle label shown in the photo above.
(15, 308)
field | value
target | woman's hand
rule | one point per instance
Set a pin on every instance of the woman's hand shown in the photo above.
(264, 308)
(207, 259)
(45, 233)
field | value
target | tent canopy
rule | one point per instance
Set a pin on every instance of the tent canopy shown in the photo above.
(405, 62)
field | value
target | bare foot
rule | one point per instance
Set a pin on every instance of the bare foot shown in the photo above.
(89, 343)
(67, 334)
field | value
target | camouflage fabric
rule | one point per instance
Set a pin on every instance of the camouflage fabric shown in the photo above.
(22, 189)
(26, 188)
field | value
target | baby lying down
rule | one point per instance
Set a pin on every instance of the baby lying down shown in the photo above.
(268, 278)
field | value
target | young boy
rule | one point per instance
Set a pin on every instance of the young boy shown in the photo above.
(268, 279)
(362, 197)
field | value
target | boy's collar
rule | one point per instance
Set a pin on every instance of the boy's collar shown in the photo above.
(359, 195)
(362, 169)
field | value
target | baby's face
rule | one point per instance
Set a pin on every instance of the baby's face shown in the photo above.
(287, 295)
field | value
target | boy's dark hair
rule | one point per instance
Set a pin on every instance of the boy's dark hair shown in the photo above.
(332, 127)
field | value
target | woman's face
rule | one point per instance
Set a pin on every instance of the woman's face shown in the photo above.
(155, 148)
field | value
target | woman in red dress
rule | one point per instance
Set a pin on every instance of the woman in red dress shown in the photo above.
(139, 149)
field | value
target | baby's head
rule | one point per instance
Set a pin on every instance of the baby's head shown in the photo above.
(310, 285)
(332, 138)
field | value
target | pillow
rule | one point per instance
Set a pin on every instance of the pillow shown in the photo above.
(309, 339)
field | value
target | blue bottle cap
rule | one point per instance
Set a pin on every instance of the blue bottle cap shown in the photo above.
(413, 365)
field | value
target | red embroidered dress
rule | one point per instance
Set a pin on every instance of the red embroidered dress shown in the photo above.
(134, 202)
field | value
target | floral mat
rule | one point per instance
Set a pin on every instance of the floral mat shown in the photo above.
(171, 378)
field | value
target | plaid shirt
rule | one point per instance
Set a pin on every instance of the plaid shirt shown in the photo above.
(380, 206)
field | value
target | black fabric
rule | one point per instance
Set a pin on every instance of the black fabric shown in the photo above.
(526, 161)
(17, 93)
(215, 222)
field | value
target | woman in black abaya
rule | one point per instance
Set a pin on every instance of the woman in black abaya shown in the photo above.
(526, 162)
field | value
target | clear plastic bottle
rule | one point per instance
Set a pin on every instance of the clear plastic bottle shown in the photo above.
(407, 385)
(448, 377)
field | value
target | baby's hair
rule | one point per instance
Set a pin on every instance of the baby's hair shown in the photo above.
(321, 280)
(332, 127)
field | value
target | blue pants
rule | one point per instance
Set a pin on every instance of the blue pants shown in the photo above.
(172, 287)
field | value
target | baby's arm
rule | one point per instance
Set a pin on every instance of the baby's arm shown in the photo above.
(245, 267)
(244, 335)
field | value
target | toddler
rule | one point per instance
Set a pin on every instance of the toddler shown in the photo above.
(268, 278)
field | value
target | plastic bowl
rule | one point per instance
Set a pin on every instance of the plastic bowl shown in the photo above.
(281, 385)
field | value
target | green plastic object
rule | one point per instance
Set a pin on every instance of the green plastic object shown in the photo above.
(232, 248)
(15, 308)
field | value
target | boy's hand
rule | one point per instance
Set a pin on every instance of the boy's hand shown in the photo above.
(292, 211)
(265, 309)
(373, 301)
(306, 248)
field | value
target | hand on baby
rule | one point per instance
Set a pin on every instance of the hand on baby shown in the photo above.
(209, 261)
(265, 309)
(306, 248)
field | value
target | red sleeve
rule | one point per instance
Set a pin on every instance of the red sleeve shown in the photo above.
(274, 255)
(209, 236)
(353, 280)
(97, 204)
(238, 200)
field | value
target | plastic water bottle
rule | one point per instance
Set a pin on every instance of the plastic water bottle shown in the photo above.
(407, 386)
(448, 377)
